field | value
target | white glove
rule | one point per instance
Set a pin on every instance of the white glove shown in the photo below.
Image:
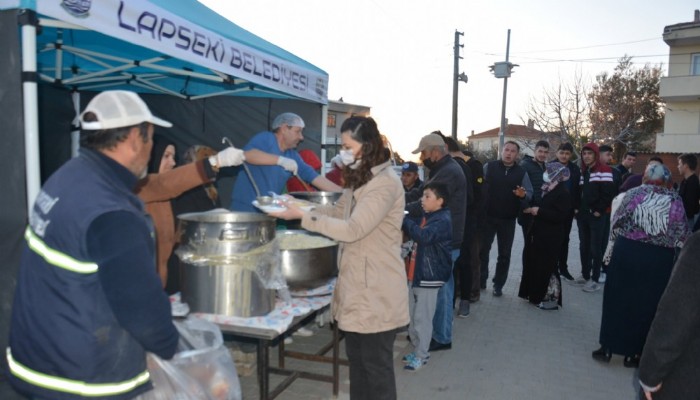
(337, 161)
(230, 157)
(288, 164)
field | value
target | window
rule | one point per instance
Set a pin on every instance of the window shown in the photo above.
(331, 120)
(695, 64)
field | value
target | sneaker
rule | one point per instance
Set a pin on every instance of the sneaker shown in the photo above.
(566, 276)
(303, 332)
(591, 286)
(498, 292)
(548, 305)
(408, 358)
(602, 277)
(437, 346)
(463, 308)
(415, 364)
(580, 281)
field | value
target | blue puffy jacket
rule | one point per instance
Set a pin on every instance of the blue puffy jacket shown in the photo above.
(433, 254)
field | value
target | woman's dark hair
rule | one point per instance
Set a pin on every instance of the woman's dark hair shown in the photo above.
(440, 190)
(364, 130)
(105, 139)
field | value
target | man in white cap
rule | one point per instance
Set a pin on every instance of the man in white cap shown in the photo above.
(443, 169)
(88, 303)
(272, 159)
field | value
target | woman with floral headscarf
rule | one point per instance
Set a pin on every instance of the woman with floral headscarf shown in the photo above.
(540, 284)
(647, 228)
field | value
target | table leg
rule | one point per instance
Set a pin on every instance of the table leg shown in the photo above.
(280, 353)
(263, 368)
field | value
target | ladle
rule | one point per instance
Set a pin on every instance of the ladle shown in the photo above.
(261, 199)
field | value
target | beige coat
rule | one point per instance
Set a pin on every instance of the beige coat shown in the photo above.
(371, 293)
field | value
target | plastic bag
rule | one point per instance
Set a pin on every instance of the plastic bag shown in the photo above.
(202, 368)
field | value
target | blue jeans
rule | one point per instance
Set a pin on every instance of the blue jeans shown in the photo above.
(442, 321)
(590, 235)
(504, 231)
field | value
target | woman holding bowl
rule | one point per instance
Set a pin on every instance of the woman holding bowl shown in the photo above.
(370, 300)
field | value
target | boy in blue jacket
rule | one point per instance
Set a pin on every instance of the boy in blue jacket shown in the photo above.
(433, 267)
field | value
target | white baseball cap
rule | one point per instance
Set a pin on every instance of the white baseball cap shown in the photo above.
(119, 109)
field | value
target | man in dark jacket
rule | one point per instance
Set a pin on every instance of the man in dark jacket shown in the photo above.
(507, 192)
(597, 192)
(444, 169)
(689, 189)
(670, 364)
(462, 267)
(88, 303)
(564, 154)
(475, 218)
(534, 167)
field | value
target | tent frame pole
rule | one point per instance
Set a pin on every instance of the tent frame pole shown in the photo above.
(28, 21)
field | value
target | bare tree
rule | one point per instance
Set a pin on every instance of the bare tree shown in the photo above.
(562, 111)
(626, 109)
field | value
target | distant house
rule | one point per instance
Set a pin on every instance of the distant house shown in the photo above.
(525, 135)
(681, 89)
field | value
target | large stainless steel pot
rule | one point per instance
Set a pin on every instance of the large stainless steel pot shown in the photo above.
(307, 268)
(222, 257)
(323, 198)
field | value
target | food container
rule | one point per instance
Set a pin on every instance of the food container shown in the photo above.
(308, 260)
(228, 263)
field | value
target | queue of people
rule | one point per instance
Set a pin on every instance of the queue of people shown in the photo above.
(90, 286)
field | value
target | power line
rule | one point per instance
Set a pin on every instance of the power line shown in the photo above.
(588, 47)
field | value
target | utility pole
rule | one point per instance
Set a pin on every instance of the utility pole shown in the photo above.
(503, 70)
(456, 77)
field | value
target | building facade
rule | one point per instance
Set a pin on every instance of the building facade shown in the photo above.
(681, 89)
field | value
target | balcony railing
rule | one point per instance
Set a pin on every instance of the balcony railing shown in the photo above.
(680, 88)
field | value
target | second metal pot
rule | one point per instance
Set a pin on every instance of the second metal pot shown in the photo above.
(311, 267)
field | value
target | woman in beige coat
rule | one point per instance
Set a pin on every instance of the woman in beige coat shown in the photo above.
(371, 299)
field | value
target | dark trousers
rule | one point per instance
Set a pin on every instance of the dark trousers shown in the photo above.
(463, 265)
(504, 231)
(371, 359)
(590, 235)
(605, 236)
(563, 262)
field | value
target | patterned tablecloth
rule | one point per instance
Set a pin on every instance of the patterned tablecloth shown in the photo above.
(279, 319)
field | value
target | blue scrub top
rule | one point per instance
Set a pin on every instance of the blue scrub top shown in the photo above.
(267, 177)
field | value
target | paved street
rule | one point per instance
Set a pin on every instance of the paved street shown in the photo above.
(506, 349)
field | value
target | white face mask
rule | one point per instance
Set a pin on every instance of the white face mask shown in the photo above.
(347, 157)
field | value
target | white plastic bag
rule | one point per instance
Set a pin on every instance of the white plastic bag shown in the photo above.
(202, 368)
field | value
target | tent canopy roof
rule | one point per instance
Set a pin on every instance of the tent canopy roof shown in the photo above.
(181, 48)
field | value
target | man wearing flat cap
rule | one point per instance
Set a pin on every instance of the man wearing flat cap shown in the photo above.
(443, 169)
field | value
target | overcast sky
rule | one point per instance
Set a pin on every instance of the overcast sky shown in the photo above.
(397, 56)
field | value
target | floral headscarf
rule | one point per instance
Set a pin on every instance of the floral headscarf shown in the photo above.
(555, 172)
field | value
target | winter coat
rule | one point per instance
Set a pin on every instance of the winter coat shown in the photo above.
(671, 354)
(370, 294)
(447, 171)
(433, 255)
(597, 186)
(534, 171)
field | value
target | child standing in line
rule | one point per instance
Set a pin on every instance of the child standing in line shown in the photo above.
(433, 267)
